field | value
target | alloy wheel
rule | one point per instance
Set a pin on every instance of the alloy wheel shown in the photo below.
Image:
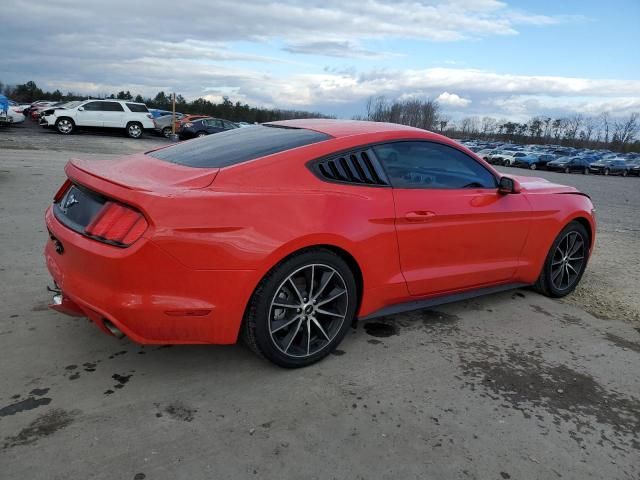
(308, 310)
(568, 260)
(134, 130)
(64, 125)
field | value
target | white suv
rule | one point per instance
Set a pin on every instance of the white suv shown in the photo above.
(131, 116)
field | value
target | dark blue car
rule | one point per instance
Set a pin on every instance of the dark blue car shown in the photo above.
(205, 126)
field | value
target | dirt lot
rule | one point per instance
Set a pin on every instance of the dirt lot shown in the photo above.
(513, 385)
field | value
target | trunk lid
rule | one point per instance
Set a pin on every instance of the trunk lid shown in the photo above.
(145, 173)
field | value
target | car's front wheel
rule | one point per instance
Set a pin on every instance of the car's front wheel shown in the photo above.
(533, 166)
(567, 170)
(606, 171)
(134, 130)
(586, 170)
(302, 309)
(166, 131)
(201, 134)
(565, 262)
(65, 126)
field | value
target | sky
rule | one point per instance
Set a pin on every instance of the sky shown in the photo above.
(502, 58)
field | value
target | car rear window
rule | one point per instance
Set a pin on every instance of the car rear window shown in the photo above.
(237, 146)
(136, 107)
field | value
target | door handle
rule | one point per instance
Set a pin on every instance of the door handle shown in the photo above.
(419, 216)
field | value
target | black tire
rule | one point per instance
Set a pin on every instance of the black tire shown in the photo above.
(134, 129)
(567, 170)
(257, 331)
(65, 125)
(166, 131)
(201, 133)
(547, 283)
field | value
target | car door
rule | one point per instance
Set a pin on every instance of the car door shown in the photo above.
(90, 115)
(214, 125)
(455, 231)
(113, 115)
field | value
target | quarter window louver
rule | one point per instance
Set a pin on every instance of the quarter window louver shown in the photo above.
(360, 168)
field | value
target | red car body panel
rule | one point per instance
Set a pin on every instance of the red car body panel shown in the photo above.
(214, 234)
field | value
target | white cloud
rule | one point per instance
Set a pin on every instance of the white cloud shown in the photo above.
(451, 99)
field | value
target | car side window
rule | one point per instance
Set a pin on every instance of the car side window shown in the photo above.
(92, 106)
(228, 125)
(421, 164)
(112, 107)
(214, 123)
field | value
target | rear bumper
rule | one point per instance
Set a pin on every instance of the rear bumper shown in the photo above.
(145, 292)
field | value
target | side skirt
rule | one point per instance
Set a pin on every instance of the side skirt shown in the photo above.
(441, 300)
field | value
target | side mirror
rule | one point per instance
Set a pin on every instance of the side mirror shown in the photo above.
(81, 109)
(508, 185)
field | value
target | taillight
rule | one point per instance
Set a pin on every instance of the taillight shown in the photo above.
(117, 223)
(61, 191)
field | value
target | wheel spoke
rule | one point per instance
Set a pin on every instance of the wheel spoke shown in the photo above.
(285, 305)
(313, 271)
(296, 290)
(286, 324)
(324, 312)
(569, 266)
(324, 285)
(295, 332)
(576, 247)
(317, 324)
(332, 297)
(308, 336)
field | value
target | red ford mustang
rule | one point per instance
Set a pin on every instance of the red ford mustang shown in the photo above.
(288, 231)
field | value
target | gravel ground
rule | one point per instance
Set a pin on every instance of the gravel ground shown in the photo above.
(512, 385)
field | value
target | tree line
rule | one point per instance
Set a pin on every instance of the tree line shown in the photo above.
(237, 112)
(581, 131)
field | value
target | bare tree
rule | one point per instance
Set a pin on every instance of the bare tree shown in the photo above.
(626, 129)
(604, 120)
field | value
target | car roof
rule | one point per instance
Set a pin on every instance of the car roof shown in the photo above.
(345, 128)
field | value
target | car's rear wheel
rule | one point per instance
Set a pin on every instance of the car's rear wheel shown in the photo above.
(134, 129)
(565, 262)
(201, 134)
(166, 131)
(302, 309)
(65, 125)
(625, 173)
(586, 171)
(606, 171)
(567, 170)
(533, 166)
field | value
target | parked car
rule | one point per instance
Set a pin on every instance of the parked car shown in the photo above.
(156, 113)
(163, 124)
(533, 161)
(570, 164)
(634, 167)
(132, 117)
(59, 106)
(508, 159)
(285, 233)
(187, 118)
(205, 126)
(616, 166)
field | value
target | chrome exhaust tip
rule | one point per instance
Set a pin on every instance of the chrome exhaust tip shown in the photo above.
(115, 331)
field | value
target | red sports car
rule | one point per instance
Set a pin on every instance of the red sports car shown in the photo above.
(289, 231)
